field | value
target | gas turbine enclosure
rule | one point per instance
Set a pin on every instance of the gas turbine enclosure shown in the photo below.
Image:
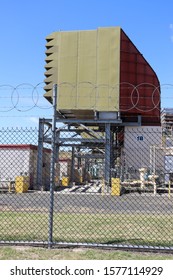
(101, 71)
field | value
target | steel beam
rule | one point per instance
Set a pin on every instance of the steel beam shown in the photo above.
(116, 122)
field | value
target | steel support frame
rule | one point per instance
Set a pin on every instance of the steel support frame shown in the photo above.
(73, 142)
(107, 126)
(49, 133)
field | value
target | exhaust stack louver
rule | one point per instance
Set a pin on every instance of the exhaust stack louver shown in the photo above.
(51, 69)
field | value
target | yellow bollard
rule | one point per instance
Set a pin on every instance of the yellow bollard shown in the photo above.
(21, 184)
(115, 187)
(65, 181)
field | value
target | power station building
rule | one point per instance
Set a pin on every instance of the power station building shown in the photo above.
(108, 96)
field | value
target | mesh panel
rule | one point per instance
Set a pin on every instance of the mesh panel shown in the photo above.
(111, 185)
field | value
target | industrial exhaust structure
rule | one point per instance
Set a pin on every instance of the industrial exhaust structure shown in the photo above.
(105, 89)
(101, 72)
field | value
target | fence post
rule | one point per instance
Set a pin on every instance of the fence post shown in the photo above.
(52, 167)
(107, 154)
(72, 166)
(40, 155)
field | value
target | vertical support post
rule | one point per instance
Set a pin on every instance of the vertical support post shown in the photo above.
(72, 166)
(40, 155)
(154, 185)
(169, 189)
(85, 171)
(52, 167)
(78, 160)
(107, 153)
(103, 187)
(56, 162)
(57, 146)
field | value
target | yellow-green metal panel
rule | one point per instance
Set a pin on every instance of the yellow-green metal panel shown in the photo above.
(86, 75)
(87, 65)
(108, 67)
(67, 57)
(67, 69)
(87, 53)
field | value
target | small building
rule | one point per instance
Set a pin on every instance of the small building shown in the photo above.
(142, 149)
(16, 160)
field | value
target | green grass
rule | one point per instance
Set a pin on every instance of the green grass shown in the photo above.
(23, 226)
(30, 253)
(137, 229)
(115, 228)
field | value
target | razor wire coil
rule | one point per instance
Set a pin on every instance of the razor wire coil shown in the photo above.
(26, 96)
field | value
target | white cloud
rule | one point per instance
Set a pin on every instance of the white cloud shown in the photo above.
(171, 26)
(33, 119)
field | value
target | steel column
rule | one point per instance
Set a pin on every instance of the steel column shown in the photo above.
(107, 153)
(72, 165)
(52, 167)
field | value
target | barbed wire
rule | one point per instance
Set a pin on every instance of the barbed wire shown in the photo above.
(26, 97)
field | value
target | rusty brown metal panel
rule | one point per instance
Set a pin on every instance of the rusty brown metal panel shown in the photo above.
(139, 85)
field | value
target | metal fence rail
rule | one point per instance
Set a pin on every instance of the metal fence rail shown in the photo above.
(101, 186)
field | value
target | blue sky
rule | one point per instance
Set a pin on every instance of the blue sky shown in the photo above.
(25, 24)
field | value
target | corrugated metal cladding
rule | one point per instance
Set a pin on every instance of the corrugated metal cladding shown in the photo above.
(101, 70)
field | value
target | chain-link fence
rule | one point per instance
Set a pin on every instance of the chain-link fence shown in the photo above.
(110, 185)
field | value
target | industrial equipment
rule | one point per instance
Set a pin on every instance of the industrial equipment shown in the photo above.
(108, 98)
